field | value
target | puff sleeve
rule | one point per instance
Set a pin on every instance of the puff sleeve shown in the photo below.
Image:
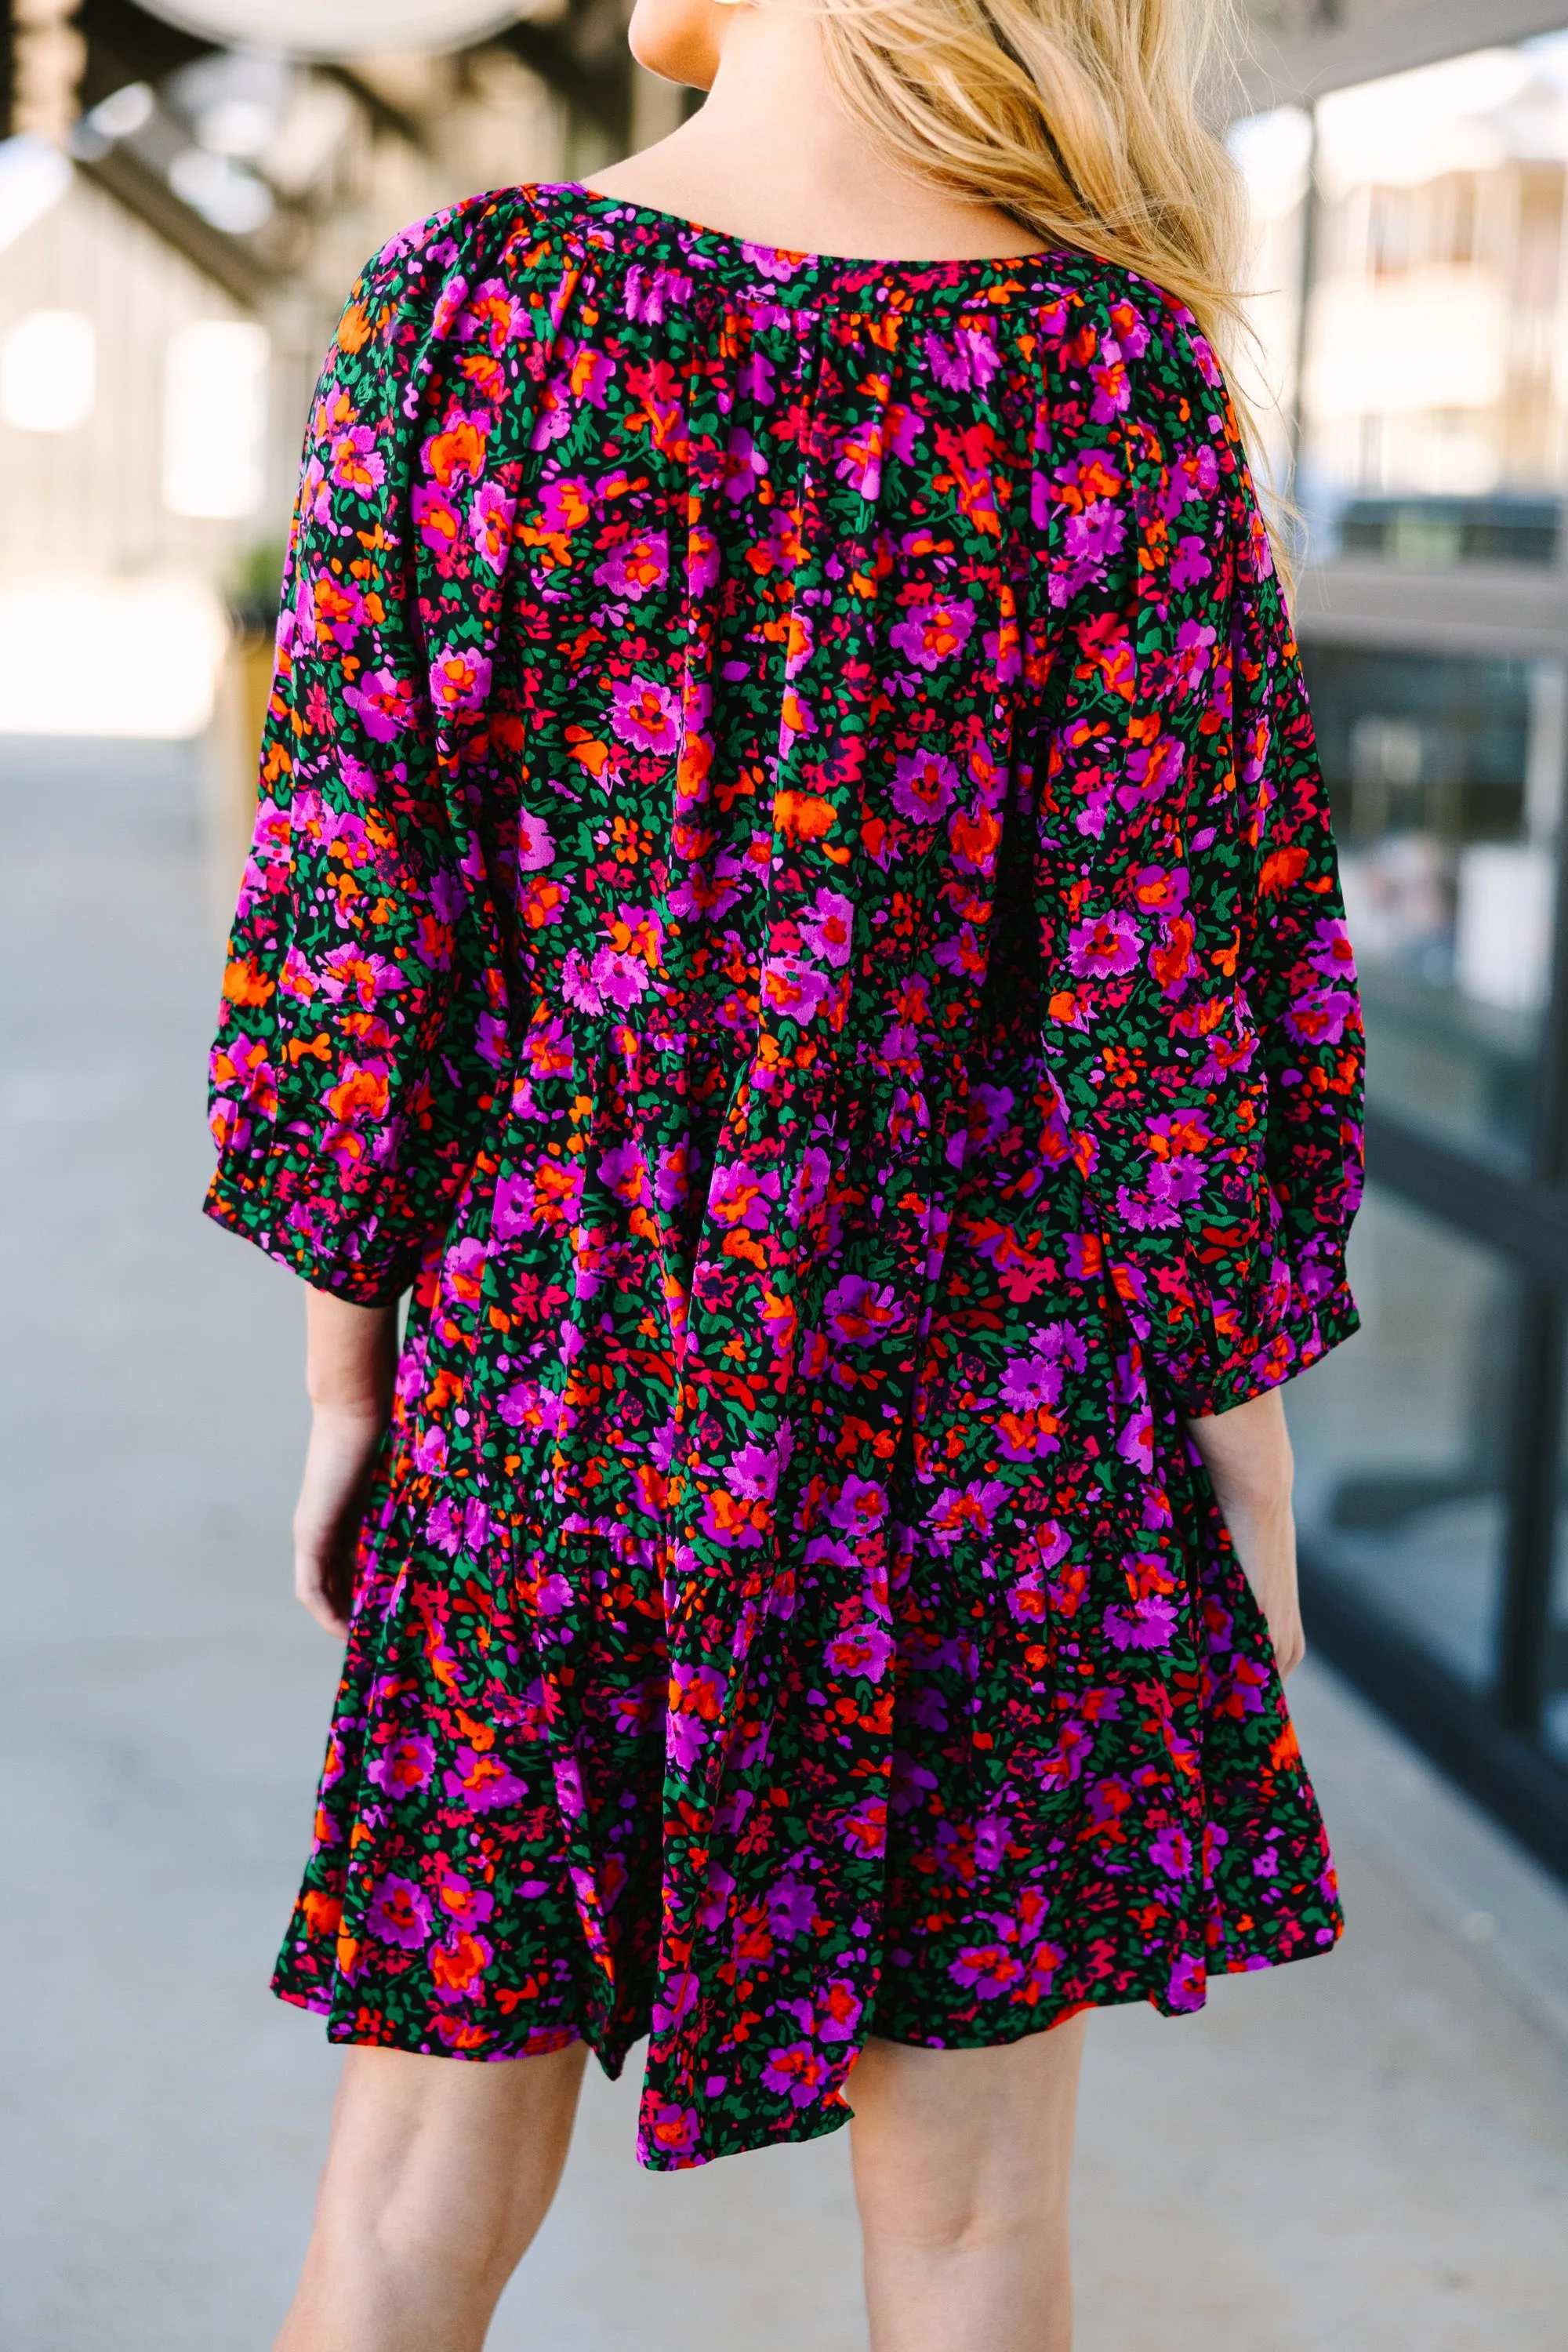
(1202, 1024)
(363, 1018)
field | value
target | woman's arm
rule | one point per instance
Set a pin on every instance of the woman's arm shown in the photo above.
(1247, 1453)
(351, 1356)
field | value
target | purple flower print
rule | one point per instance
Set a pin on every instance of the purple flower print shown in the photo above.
(646, 715)
(624, 1171)
(680, 1996)
(686, 1735)
(838, 2012)
(828, 926)
(1191, 660)
(1189, 564)
(1032, 1385)
(1135, 1438)
(436, 513)
(990, 1109)
(698, 1690)
(792, 1907)
(618, 979)
(1179, 1181)
(1112, 390)
(1319, 1017)
(1147, 1624)
(935, 633)
(444, 1526)
(335, 613)
(462, 1901)
(861, 1314)
(359, 977)
(754, 1470)
(1093, 538)
(668, 2131)
(459, 679)
(448, 306)
(638, 566)
(1069, 1753)
(703, 564)
(1160, 890)
(964, 361)
(564, 506)
(795, 988)
(490, 525)
(356, 464)
(384, 705)
(925, 785)
(672, 1182)
(863, 1828)
(965, 1511)
(1187, 1987)
(1171, 1851)
(403, 1765)
(987, 1969)
(400, 1913)
(863, 1649)
(1104, 947)
(1173, 1184)
(535, 846)
(771, 261)
(859, 1506)
(798, 2071)
(810, 1187)
(743, 1195)
(1330, 952)
(429, 1452)
(743, 464)
(480, 1783)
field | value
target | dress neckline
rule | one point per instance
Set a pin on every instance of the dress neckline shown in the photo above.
(790, 260)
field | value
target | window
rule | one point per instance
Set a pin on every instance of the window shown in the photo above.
(1434, 424)
(1444, 776)
(48, 371)
(214, 419)
(1401, 1436)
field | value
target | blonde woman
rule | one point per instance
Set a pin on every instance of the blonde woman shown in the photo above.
(793, 912)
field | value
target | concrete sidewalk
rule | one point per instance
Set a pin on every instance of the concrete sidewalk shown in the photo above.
(1362, 2155)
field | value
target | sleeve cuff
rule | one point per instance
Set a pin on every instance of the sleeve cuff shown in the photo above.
(291, 1236)
(1309, 1330)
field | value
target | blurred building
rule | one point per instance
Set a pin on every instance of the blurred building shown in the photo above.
(180, 221)
(179, 217)
(1410, 200)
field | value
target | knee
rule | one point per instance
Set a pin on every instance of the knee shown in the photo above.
(948, 2224)
(410, 2215)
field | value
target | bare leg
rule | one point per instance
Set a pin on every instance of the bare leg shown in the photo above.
(961, 2162)
(440, 2171)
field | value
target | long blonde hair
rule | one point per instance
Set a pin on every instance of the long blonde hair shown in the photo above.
(1081, 118)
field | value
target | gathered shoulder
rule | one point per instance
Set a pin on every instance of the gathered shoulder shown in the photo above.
(424, 281)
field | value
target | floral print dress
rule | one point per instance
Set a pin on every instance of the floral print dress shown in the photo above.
(792, 909)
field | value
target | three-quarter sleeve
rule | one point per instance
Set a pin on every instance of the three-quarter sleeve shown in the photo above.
(363, 1017)
(1202, 1024)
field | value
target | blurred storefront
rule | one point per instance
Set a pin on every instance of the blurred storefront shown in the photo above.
(179, 219)
(1412, 315)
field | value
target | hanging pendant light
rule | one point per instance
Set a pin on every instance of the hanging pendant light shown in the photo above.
(338, 28)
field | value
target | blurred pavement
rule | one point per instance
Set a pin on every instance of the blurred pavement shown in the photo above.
(1359, 2155)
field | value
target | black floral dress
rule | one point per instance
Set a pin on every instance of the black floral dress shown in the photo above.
(792, 909)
